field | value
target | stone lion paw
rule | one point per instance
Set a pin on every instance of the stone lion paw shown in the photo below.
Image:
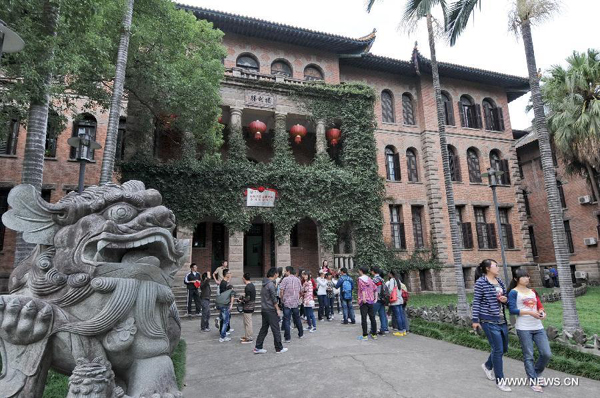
(24, 320)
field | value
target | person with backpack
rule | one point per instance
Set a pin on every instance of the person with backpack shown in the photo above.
(525, 303)
(308, 299)
(367, 297)
(224, 302)
(489, 300)
(346, 285)
(396, 301)
(383, 295)
(192, 282)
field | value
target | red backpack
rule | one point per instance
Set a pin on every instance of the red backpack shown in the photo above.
(405, 296)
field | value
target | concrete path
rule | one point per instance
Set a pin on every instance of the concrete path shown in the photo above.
(333, 363)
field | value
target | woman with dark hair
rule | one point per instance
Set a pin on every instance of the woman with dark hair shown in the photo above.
(367, 296)
(489, 299)
(308, 299)
(526, 304)
(394, 286)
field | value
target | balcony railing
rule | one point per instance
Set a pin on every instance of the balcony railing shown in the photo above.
(252, 75)
(343, 260)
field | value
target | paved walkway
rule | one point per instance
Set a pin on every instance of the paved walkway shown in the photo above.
(332, 363)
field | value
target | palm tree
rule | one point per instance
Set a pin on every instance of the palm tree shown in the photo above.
(523, 15)
(37, 119)
(415, 11)
(572, 96)
(110, 146)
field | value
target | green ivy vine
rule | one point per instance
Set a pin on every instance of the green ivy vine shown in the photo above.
(329, 194)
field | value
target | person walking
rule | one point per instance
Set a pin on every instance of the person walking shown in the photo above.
(525, 303)
(367, 296)
(489, 300)
(322, 294)
(192, 282)
(224, 302)
(330, 296)
(308, 299)
(270, 314)
(205, 301)
(383, 295)
(248, 308)
(289, 290)
(394, 286)
(346, 285)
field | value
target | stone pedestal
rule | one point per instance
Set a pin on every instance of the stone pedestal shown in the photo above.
(235, 256)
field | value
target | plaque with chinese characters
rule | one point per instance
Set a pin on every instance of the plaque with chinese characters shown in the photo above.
(261, 100)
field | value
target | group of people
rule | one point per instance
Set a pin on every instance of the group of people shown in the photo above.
(490, 299)
(288, 299)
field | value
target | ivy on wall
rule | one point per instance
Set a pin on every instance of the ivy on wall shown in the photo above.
(329, 194)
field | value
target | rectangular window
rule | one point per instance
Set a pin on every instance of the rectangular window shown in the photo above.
(397, 226)
(294, 236)
(569, 236)
(561, 194)
(50, 149)
(526, 199)
(46, 194)
(81, 128)
(534, 250)
(486, 233)
(507, 234)
(199, 238)
(8, 145)
(120, 151)
(464, 229)
(417, 226)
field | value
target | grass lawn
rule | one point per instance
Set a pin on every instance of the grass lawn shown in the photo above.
(588, 307)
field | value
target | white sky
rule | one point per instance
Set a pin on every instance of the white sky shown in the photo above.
(485, 44)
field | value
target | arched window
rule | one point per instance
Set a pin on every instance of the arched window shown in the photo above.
(500, 164)
(454, 164)
(52, 132)
(411, 165)
(470, 113)
(247, 61)
(387, 107)
(407, 109)
(85, 124)
(392, 164)
(312, 72)
(492, 114)
(473, 164)
(281, 68)
(448, 109)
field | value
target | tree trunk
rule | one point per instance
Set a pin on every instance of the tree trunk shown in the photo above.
(110, 146)
(561, 252)
(463, 306)
(35, 143)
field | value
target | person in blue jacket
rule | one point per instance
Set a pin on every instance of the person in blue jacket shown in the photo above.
(489, 300)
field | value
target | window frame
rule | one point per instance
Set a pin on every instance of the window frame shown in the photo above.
(391, 117)
(392, 164)
(281, 61)
(248, 67)
(454, 164)
(534, 250)
(474, 169)
(470, 112)
(448, 109)
(418, 227)
(408, 110)
(569, 236)
(412, 165)
(87, 121)
(313, 78)
(398, 233)
(507, 234)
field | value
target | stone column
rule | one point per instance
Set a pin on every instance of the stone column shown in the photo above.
(321, 139)
(235, 256)
(281, 144)
(237, 145)
(283, 257)
(186, 234)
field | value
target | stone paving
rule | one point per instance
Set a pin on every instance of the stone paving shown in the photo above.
(333, 363)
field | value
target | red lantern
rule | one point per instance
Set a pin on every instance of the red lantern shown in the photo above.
(261, 189)
(221, 119)
(257, 128)
(298, 131)
(333, 136)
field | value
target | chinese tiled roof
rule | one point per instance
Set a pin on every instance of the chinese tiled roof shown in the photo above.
(254, 27)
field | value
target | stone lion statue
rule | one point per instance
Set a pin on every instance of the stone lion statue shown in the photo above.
(93, 300)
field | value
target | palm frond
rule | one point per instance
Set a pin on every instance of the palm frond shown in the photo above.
(458, 17)
(370, 4)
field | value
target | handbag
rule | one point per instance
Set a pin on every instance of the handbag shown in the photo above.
(311, 303)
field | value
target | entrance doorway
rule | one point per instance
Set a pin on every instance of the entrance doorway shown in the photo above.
(218, 245)
(253, 251)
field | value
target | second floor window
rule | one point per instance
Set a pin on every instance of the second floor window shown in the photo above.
(448, 109)
(392, 164)
(569, 236)
(473, 163)
(281, 68)
(411, 164)
(408, 112)
(417, 223)
(526, 200)
(470, 113)
(397, 226)
(454, 164)
(492, 114)
(500, 164)
(507, 235)
(486, 233)
(312, 73)
(534, 250)
(387, 107)
(120, 151)
(561, 194)
(51, 134)
(465, 231)
(248, 62)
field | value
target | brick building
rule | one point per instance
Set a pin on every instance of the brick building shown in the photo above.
(408, 154)
(581, 213)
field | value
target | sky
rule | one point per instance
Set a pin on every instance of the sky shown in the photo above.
(486, 43)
